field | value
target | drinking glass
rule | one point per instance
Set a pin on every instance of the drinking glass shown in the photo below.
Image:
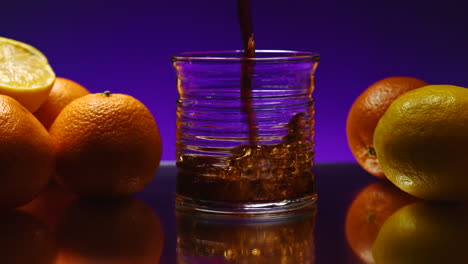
(245, 131)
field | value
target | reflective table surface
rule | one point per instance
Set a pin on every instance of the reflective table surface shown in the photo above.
(357, 219)
(313, 236)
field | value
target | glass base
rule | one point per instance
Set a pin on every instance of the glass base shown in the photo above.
(185, 203)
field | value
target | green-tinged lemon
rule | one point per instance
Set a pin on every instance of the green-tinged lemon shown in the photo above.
(25, 73)
(424, 233)
(422, 142)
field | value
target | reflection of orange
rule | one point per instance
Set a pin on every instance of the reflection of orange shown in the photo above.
(24, 239)
(369, 210)
(106, 145)
(118, 231)
(50, 205)
(365, 113)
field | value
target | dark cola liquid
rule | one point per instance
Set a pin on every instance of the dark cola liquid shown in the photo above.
(248, 41)
(254, 173)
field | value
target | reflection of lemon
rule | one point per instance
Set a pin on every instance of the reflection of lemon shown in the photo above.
(367, 213)
(424, 233)
(25, 73)
(422, 141)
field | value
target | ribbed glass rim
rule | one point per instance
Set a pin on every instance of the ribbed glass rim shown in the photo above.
(238, 56)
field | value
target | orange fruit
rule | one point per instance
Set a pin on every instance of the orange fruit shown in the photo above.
(367, 213)
(366, 111)
(106, 145)
(26, 156)
(63, 92)
(422, 142)
(120, 231)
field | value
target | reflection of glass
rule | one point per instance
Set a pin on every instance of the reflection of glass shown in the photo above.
(25, 239)
(245, 151)
(206, 238)
(117, 231)
(367, 213)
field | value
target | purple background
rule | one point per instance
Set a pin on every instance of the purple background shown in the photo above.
(125, 47)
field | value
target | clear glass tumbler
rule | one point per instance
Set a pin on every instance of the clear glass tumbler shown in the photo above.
(245, 131)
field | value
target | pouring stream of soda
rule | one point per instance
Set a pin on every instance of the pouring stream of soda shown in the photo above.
(245, 21)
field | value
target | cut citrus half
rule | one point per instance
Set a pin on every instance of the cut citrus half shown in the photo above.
(25, 73)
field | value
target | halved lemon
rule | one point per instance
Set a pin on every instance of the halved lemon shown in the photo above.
(25, 73)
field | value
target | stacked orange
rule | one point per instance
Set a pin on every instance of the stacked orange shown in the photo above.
(93, 144)
(366, 112)
(414, 135)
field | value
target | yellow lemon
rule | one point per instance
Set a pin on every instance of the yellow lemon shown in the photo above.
(25, 73)
(421, 142)
(424, 233)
